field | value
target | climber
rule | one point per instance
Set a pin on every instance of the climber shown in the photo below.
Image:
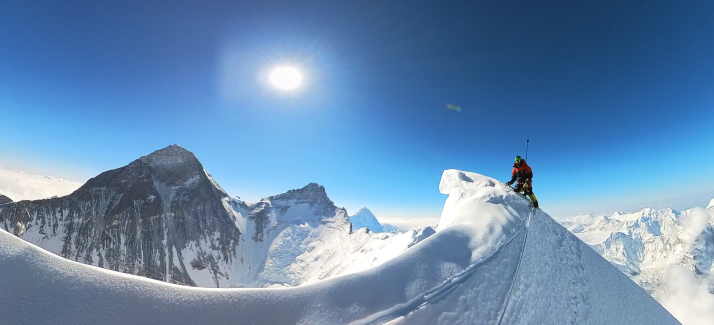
(523, 173)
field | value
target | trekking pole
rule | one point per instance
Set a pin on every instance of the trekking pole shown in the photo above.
(527, 141)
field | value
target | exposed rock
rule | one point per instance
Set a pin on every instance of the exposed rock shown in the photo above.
(4, 199)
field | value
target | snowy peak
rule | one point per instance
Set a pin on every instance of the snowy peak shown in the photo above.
(365, 219)
(710, 205)
(364, 213)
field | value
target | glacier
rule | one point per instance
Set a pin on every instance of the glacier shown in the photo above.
(491, 260)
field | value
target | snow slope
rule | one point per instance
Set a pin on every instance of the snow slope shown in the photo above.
(19, 186)
(484, 265)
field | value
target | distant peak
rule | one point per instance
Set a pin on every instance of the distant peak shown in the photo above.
(171, 155)
(312, 193)
(711, 204)
(313, 185)
(173, 149)
(364, 211)
(365, 219)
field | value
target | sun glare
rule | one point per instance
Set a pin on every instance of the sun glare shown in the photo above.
(285, 78)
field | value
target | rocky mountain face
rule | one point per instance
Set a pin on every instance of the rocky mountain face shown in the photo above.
(164, 217)
(136, 219)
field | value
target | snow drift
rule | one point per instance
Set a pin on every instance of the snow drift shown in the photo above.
(493, 260)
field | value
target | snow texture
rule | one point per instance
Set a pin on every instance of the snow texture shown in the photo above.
(492, 260)
(19, 186)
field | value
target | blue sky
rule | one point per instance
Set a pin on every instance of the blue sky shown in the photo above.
(616, 97)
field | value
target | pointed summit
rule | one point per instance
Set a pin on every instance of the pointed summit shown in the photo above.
(172, 167)
(135, 217)
(365, 219)
(711, 204)
(171, 155)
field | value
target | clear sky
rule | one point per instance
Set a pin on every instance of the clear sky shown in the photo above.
(616, 97)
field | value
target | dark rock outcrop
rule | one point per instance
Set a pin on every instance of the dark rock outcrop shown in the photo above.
(4, 199)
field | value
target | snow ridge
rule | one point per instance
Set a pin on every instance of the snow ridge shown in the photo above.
(518, 269)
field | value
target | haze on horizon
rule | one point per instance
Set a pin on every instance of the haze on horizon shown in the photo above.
(615, 97)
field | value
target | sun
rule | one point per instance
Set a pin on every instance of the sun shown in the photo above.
(286, 78)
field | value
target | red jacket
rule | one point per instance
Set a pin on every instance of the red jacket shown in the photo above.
(522, 173)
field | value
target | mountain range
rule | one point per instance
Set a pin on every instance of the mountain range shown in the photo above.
(164, 217)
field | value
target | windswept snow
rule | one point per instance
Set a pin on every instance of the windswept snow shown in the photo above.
(19, 186)
(493, 260)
